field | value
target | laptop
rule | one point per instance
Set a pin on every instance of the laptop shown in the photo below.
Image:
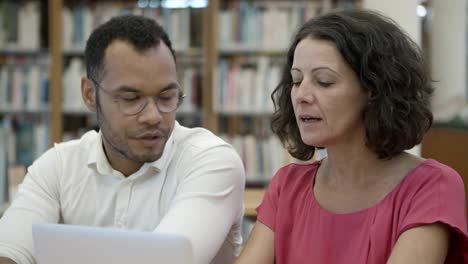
(58, 244)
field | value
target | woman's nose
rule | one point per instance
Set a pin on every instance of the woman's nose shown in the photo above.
(303, 93)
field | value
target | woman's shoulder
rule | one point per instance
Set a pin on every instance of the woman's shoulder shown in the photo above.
(435, 174)
(434, 193)
(294, 174)
(432, 190)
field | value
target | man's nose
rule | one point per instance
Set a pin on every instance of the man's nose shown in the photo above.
(151, 113)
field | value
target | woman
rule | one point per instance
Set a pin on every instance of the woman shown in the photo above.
(356, 85)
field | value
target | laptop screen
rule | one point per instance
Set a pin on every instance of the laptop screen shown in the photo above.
(58, 244)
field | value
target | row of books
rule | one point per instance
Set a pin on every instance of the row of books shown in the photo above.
(71, 81)
(24, 84)
(262, 24)
(80, 20)
(244, 86)
(27, 138)
(3, 164)
(189, 78)
(21, 142)
(20, 23)
(268, 24)
(262, 156)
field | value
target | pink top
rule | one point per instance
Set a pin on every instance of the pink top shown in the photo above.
(307, 233)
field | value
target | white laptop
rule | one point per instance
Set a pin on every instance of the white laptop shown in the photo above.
(59, 244)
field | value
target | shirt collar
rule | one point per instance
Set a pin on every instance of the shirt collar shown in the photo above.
(162, 163)
(97, 159)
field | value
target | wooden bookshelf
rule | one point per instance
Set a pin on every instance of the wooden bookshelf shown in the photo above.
(210, 47)
(56, 69)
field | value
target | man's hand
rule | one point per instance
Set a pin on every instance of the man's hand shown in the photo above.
(6, 261)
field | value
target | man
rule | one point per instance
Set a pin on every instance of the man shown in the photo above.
(142, 171)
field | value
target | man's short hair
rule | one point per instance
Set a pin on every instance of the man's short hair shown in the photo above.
(141, 32)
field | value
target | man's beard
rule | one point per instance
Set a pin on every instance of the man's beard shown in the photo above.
(121, 147)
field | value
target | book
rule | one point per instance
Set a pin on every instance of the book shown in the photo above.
(80, 19)
(3, 163)
(72, 99)
(255, 24)
(20, 25)
(262, 156)
(245, 84)
(23, 84)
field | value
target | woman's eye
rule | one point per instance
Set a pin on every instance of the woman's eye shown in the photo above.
(296, 83)
(324, 83)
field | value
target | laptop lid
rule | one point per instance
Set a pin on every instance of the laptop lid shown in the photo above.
(58, 244)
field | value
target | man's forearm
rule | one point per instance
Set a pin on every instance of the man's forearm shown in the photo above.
(6, 261)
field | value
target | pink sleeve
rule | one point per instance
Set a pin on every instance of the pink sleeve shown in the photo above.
(266, 211)
(440, 197)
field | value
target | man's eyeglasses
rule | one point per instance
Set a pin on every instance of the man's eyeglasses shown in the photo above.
(133, 104)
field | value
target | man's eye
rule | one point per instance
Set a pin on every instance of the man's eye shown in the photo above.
(166, 98)
(130, 98)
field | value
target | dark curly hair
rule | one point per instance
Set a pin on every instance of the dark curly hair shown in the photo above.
(388, 64)
(141, 32)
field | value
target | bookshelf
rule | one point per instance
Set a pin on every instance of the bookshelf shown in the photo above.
(24, 85)
(229, 57)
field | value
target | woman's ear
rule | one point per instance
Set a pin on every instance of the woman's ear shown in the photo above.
(88, 93)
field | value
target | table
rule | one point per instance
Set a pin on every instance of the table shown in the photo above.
(252, 198)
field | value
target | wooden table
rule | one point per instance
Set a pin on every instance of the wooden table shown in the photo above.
(252, 199)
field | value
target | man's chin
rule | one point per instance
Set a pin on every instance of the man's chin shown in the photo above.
(147, 158)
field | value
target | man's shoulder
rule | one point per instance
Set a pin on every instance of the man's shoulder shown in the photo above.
(66, 157)
(197, 138)
(194, 144)
(81, 145)
(84, 141)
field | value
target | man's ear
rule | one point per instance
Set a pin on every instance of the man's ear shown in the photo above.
(88, 93)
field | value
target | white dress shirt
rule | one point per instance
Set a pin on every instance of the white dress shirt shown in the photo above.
(194, 189)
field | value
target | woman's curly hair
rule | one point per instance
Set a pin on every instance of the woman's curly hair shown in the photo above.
(388, 64)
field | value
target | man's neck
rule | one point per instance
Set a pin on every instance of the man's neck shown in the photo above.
(124, 166)
(120, 163)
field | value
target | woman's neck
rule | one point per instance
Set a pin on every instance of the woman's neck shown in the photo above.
(355, 167)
